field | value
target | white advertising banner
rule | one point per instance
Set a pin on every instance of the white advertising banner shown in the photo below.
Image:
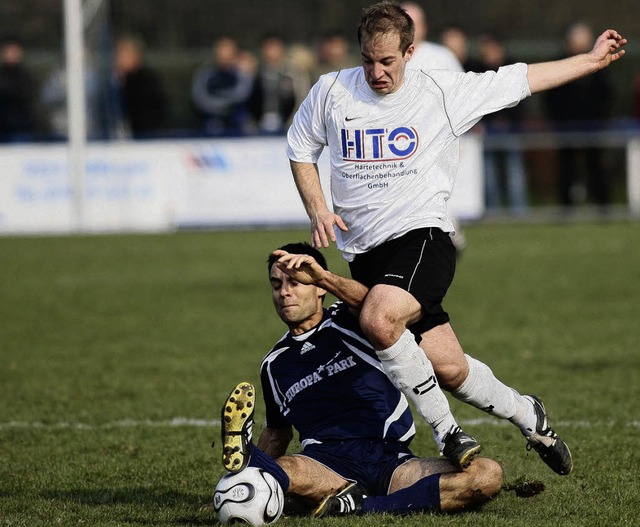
(158, 186)
(126, 187)
(467, 200)
(228, 182)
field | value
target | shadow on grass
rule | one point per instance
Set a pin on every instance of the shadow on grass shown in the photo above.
(133, 495)
(158, 499)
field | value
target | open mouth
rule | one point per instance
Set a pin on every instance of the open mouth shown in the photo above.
(378, 85)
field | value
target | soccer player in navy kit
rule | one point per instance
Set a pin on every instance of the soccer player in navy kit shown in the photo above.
(324, 379)
(392, 135)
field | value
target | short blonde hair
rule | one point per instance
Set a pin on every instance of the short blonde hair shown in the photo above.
(387, 17)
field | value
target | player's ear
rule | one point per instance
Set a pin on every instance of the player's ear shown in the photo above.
(321, 292)
(409, 53)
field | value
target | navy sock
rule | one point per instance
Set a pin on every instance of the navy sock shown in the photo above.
(424, 495)
(261, 460)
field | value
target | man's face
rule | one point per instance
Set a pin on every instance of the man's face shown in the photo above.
(298, 305)
(383, 62)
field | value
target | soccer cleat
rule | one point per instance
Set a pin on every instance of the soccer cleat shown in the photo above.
(237, 425)
(551, 449)
(460, 448)
(349, 500)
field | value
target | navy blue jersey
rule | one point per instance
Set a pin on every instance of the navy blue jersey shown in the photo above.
(329, 385)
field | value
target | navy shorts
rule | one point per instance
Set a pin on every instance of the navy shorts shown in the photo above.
(422, 262)
(370, 463)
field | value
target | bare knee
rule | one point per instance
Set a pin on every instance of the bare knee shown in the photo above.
(451, 374)
(382, 330)
(386, 313)
(472, 487)
(487, 477)
(447, 356)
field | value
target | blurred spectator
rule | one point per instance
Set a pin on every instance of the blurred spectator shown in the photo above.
(142, 96)
(332, 54)
(428, 55)
(505, 176)
(455, 38)
(18, 92)
(220, 91)
(303, 59)
(53, 99)
(101, 116)
(581, 106)
(273, 96)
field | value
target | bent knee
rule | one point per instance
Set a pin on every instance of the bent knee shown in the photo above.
(451, 375)
(381, 330)
(487, 477)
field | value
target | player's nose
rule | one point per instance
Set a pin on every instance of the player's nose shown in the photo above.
(377, 71)
(285, 288)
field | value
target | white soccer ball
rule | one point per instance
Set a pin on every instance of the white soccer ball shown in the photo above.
(251, 495)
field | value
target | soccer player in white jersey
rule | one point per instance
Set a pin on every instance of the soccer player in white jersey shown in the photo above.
(393, 135)
(323, 379)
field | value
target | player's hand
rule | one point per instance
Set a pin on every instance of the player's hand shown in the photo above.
(322, 228)
(608, 47)
(302, 268)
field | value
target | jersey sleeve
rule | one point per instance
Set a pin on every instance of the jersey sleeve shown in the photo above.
(274, 417)
(307, 135)
(470, 96)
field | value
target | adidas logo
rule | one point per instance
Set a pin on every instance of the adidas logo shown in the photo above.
(307, 346)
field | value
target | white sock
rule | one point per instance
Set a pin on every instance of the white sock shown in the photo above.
(411, 372)
(483, 390)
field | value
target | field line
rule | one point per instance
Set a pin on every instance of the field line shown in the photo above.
(186, 422)
(176, 422)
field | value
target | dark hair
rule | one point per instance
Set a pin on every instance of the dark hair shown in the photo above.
(300, 248)
(272, 35)
(11, 40)
(333, 34)
(386, 17)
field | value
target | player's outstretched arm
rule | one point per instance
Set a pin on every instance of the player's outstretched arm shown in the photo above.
(307, 179)
(547, 75)
(304, 269)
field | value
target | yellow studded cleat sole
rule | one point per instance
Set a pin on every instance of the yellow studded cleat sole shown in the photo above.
(237, 425)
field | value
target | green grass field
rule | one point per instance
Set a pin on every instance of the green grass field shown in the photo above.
(117, 352)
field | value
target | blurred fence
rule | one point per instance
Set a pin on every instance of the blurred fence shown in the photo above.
(178, 24)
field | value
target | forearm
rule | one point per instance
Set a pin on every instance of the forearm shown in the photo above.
(548, 75)
(307, 180)
(350, 291)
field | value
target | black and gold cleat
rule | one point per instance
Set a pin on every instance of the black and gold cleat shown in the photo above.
(237, 425)
(460, 448)
(348, 500)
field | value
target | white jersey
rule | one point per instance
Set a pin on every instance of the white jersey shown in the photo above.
(394, 157)
(431, 56)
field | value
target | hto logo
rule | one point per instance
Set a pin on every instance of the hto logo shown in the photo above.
(378, 144)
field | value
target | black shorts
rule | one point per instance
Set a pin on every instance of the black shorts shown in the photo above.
(422, 262)
(369, 462)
